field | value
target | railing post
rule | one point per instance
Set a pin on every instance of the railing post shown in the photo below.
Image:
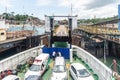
(71, 55)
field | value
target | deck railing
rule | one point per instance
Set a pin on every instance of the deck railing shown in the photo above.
(98, 67)
(20, 58)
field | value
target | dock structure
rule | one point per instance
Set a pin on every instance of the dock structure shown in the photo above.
(18, 34)
(22, 40)
(12, 40)
(106, 32)
(62, 33)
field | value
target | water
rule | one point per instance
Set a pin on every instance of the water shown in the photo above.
(38, 30)
(109, 62)
(7, 53)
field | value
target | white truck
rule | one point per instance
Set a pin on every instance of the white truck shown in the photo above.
(39, 66)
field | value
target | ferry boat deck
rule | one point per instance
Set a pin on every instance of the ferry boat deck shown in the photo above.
(47, 74)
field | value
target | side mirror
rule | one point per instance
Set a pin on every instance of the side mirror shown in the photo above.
(66, 68)
(41, 68)
(76, 75)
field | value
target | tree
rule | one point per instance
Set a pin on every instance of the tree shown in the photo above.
(96, 20)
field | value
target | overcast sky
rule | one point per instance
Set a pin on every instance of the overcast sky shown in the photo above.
(83, 8)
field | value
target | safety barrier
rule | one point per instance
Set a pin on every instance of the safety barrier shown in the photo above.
(64, 51)
(20, 58)
(99, 68)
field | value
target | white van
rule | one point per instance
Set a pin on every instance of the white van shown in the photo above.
(39, 65)
(59, 61)
(59, 70)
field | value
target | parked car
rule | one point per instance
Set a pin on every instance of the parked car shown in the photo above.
(33, 77)
(11, 77)
(79, 72)
(39, 66)
(59, 71)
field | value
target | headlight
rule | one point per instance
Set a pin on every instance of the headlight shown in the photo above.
(65, 78)
(52, 75)
(26, 75)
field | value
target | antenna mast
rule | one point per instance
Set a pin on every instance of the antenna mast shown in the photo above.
(6, 9)
(71, 10)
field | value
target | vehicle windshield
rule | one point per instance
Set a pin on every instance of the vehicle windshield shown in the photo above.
(83, 73)
(33, 77)
(35, 68)
(59, 68)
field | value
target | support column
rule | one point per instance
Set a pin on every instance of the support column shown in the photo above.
(70, 28)
(71, 55)
(41, 42)
(104, 51)
(39, 51)
(107, 52)
(119, 16)
(51, 28)
(82, 43)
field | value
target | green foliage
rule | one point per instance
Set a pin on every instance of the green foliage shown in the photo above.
(17, 17)
(21, 17)
(96, 20)
(56, 26)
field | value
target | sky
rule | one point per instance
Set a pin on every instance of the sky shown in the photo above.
(85, 9)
